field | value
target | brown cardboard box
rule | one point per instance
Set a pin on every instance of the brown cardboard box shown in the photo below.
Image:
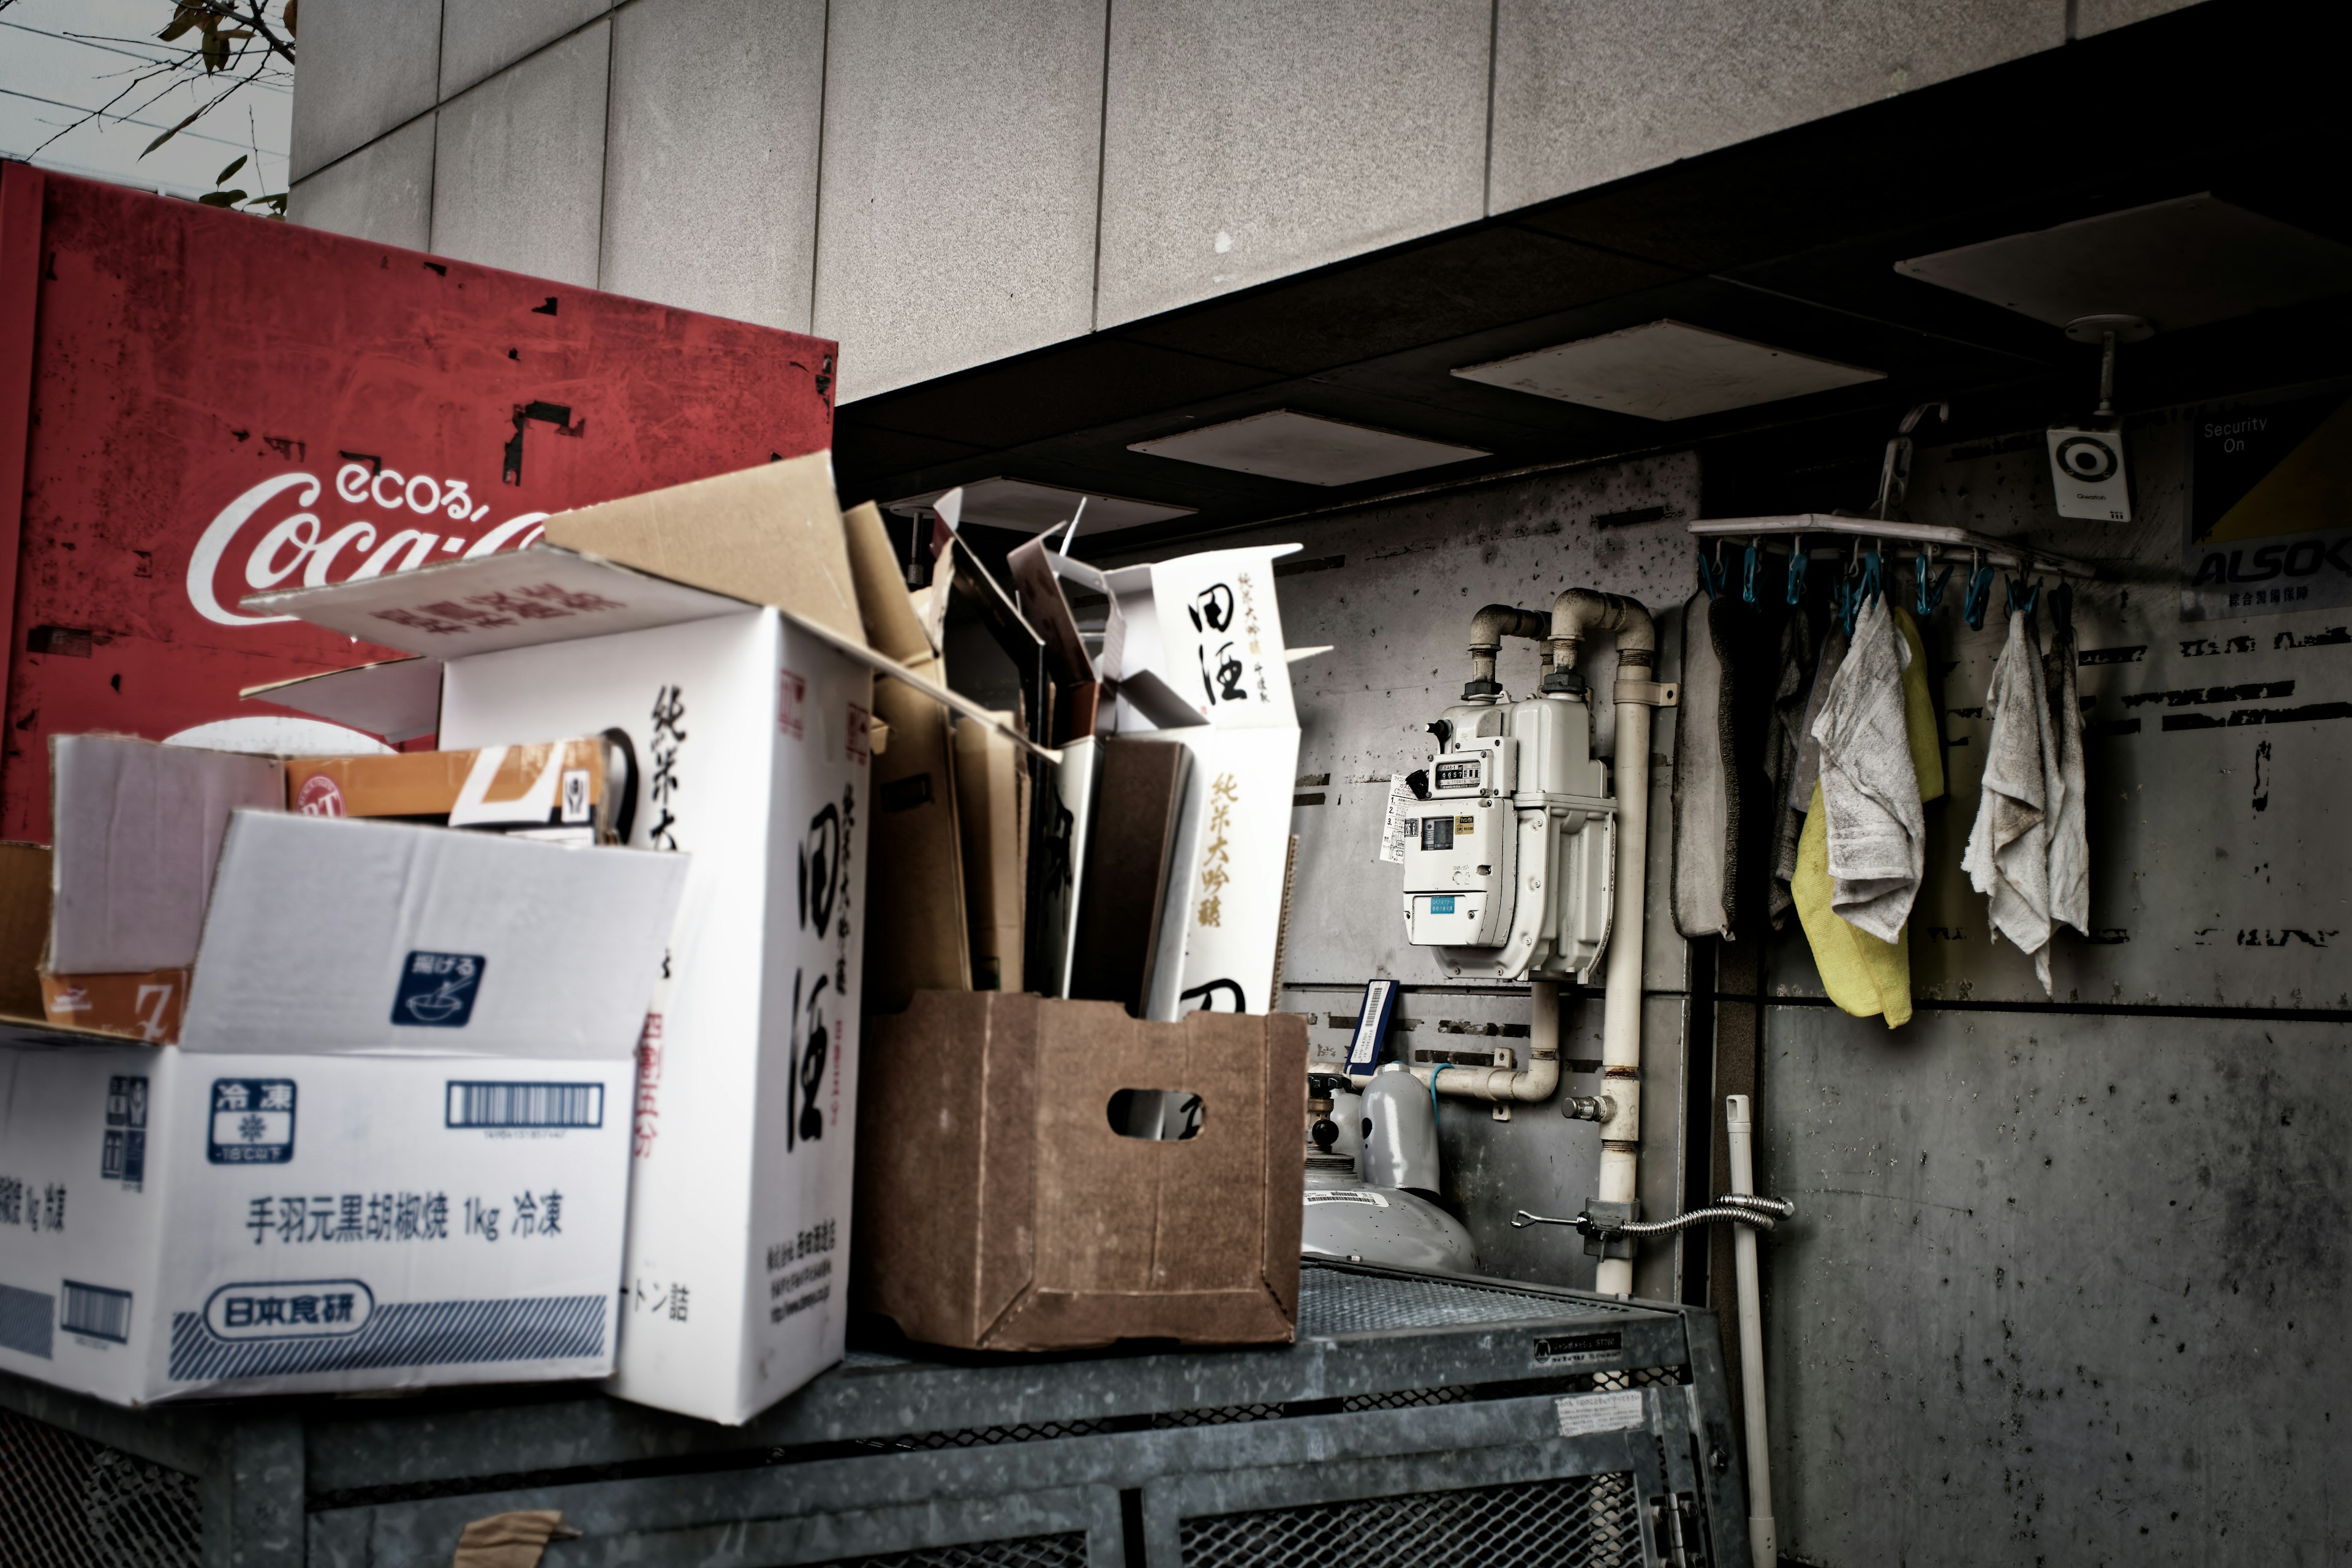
(917, 935)
(554, 788)
(23, 926)
(997, 1210)
(147, 1006)
(988, 777)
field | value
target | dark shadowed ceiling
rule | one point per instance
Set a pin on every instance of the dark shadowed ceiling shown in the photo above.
(1790, 239)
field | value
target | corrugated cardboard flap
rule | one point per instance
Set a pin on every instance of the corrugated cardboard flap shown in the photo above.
(518, 598)
(937, 1250)
(546, 594)
(771, 534)
(337, 936)
(138, 828)
(398, 698)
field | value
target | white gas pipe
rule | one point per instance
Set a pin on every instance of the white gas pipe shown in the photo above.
(1763, 1546)
(1575, 613)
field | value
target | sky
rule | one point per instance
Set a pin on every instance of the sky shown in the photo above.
(61, 57)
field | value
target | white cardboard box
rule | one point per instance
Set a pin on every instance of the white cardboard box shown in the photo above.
(324, 1188)
(751, 732)
(1208, 627)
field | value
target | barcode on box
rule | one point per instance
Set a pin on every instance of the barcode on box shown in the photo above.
(95, 1311)
(526, 1105)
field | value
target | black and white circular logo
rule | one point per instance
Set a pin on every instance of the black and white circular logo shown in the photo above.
(2088, 458)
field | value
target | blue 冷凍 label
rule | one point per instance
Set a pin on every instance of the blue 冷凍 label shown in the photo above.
(252, 1121)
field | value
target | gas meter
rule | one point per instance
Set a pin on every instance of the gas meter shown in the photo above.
(1510, 862)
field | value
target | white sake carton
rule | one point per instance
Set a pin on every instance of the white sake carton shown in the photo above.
(1206, 629)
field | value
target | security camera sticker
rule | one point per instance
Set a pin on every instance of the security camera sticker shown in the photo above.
(2086, 475)
(437, 989)
(2088, 457)
(252, 1121)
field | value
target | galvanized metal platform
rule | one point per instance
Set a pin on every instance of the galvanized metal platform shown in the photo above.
(1416, 1420)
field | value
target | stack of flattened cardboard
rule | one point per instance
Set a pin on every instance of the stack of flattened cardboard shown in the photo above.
(1115, 1154)
(1139, 857)
(386, 1146)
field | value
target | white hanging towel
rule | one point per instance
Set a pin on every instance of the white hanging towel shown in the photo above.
(1706, 781)
(2069, 840)
(1878, 830)
(2008, 856)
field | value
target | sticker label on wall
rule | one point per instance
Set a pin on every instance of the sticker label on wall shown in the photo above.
(1371, 1026)
(2267, 532)
(1570, 1350)
(1395, 824)
(1583, 1414)
(1374, 1199)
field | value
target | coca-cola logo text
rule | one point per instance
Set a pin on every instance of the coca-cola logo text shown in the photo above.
(270, 537)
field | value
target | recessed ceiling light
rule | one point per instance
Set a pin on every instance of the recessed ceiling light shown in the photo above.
(1307, 448)
(1032, 508)
(1667, 370)
(2179, 263)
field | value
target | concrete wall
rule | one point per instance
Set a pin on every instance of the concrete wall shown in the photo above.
(2066, 1269)
(2059, 1287)
(940, 186)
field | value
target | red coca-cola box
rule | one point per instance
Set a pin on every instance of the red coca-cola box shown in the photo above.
(198, 404)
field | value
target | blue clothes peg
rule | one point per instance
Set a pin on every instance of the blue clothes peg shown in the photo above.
(2023, 599)
(1873, 574)
(1710, 576)
(1845, 604)
(1798, 562)
(1931, 590)
(2062, 610)
(1748, 575)
(1979, 596)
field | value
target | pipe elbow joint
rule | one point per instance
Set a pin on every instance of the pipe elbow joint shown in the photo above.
(1491, 625)
(1578, 612)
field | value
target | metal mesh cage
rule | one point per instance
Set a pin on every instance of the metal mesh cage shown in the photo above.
(1404, 1399)
(1338, 1302)
(1578, 1522)
(1066, 1551)
(67, 1502)
(1641, 1377)
(1216, 1415)
(986, 1437)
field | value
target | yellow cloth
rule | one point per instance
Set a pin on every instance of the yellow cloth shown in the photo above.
(1919, 713)
(1864, 976)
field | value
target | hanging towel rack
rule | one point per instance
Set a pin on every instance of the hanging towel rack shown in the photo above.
(1993, 552)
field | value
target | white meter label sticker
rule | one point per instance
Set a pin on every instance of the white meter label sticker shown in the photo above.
(1395, 825)
(1375, 1199)
(1582, 1414)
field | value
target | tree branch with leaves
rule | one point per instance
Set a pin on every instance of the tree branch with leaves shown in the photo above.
(224, 47)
